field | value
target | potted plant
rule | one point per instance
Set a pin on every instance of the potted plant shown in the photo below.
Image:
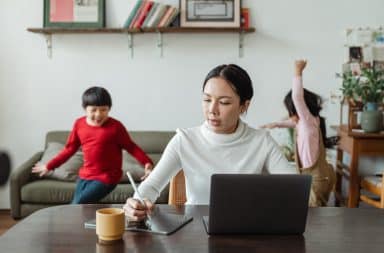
(367, 88)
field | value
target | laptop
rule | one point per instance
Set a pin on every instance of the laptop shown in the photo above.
(258, 204)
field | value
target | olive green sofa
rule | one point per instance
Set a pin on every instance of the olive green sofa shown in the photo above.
(29, 193)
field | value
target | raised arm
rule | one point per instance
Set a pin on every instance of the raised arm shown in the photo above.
(298, 91)
(288, 123)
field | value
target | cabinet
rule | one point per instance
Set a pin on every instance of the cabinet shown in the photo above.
(355, 144)
(48, 32)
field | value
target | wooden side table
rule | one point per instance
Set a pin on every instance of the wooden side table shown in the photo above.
(355, 144)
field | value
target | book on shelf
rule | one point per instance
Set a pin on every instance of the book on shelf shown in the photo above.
(143, 14)
(150, 14)
(244, 18)
(176, 21)
(173, 16)
(137, 14)
(166, 16)
(157, 15)
(134, 8)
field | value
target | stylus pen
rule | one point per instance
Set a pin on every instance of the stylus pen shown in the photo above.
(137, 193)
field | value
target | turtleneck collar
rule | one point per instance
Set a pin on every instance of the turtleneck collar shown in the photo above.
(217, 138)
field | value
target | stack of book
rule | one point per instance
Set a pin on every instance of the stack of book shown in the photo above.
(150, 14)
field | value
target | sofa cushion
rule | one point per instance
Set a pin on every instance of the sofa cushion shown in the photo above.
(134, 167)
(60, 192)
(68, 171)
(48, 191)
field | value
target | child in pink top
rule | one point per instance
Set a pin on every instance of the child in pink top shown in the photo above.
(304, 111)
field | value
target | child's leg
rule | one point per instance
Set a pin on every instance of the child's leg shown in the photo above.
(90, 191)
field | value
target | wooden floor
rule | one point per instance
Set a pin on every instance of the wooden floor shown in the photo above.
(6, 221)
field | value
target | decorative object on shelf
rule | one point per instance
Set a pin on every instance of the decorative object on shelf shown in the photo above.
(74, 13)
(371, 118)
(244, 17)
(210, 13)
(364, 90)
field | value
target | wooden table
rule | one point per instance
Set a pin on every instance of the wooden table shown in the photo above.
(329, 229)
(355, 144)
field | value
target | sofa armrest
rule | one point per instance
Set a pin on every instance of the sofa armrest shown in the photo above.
(19, 177)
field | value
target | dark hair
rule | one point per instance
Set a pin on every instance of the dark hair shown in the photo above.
(239, 79)
(96, 96)
(314, 103)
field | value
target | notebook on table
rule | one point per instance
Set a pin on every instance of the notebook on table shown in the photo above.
(258, 204)
(161, 223)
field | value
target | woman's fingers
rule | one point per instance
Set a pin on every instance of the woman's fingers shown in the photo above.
(135, 210)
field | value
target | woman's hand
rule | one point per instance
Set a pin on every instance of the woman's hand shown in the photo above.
(147, 170)
(135, 211)
(300, 66)
(40, 169)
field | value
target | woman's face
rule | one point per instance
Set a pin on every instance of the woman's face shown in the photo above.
(221, 106)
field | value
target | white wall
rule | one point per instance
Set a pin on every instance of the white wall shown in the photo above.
(38, 94)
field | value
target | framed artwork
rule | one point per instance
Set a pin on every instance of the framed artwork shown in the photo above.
(355, 54)
(210, 13)
(378, 65)
(74, 13)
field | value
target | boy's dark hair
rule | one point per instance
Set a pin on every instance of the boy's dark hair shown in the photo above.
(314, 103)
(237, 77)
(96, 96)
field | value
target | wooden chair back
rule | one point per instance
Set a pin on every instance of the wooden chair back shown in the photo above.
(177, 195)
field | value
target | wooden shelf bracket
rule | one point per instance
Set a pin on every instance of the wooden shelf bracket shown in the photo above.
(241, 44)
(48, 41)
(160, 43)
(130, 44)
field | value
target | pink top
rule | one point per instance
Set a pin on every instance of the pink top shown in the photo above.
(307, 127)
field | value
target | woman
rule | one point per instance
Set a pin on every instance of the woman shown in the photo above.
(223, 144)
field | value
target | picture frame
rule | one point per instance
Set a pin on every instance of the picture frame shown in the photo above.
(210, 13)
(378, 65)
(355, 54)
(74, 13)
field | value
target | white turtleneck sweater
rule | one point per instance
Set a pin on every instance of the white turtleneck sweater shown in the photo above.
(200, 152)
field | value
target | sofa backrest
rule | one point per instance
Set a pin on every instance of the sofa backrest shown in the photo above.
(152, 142)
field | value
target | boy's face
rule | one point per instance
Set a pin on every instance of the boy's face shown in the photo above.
(96, 115)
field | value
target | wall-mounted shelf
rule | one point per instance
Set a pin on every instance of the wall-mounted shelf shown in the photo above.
(48, 32)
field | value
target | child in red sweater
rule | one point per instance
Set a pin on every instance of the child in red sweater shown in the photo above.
(102, 139)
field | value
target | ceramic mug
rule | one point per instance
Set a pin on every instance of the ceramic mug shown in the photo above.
(110, 224)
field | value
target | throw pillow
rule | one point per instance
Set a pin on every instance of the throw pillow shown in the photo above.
(68, 171)
(133, 166)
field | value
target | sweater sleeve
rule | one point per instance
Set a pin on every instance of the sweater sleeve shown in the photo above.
(70, 148)
(276, 163)
(302, 110)
(166, 168)
(131, 147)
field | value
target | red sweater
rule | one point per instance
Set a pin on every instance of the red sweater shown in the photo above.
(102, 149)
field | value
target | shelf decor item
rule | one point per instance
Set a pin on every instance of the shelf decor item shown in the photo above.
(210, 13)
(74, 13)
